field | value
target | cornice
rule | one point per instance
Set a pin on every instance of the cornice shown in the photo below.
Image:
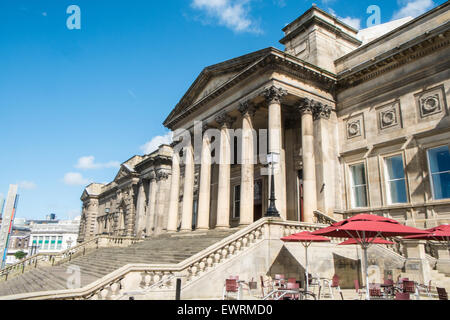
(408, 52)
(275, 60)
(320, 22)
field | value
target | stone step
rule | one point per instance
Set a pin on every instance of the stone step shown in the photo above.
(162, 249)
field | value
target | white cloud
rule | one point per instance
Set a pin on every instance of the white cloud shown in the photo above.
(234, 14)
(88, 163)
(154, 144)
(75, 179)
(412, 8)
(27, 185)
(352, 22)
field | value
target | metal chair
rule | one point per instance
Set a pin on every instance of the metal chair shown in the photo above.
(231, 286)
(292, 296)
(360, 291)
(375, 291)
(410, 287)
(425, 289)
(314, 282)
(280, 280)
(442, 293)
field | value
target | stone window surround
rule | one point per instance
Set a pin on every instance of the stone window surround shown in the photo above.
(348, 183)
(430, 176)
(383, 179)
(426, 176)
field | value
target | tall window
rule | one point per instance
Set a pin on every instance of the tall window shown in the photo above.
(395, 180)
(439, 165)
(59, 244)
(237, 202)
(359, 185)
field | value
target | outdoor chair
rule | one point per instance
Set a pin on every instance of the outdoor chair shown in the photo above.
(314, 282)
(410, 287)
(388, 287)
(292, 280)
(333, 284)
(360, 291)
(442, 293)
(292, 296)
(425, 289)
(375, 291)
(231, 287)
(266, 286)
(280, 280)
(402, 296)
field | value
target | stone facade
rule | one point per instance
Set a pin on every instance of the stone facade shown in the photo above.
(337, 113)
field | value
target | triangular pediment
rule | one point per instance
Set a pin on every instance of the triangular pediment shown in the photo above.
(124, 172)
(213, 84)
(214, 77)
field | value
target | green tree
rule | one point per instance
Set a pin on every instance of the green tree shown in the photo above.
(20, 255)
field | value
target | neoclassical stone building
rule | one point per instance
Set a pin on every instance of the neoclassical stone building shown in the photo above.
(359, 119)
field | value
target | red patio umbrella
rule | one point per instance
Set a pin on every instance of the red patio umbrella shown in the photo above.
(441, 233)
(350, 241)
(364, 228)
(306, 238)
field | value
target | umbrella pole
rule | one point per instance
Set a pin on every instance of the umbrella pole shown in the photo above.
(306, 268)
(366, 272)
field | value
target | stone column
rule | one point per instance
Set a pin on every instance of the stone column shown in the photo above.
(172, 223)
(188, 194)
(247, 110)
(162, 177)
(140, 214)
(223, 196)
(309, 164)
(204, 196)
(151, 205)
(325, 167)
(273, 96)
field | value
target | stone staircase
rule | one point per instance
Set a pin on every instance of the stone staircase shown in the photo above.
(162, 249)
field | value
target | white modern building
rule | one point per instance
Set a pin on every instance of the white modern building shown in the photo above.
(56, 237)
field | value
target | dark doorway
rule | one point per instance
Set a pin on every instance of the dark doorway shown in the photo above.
(257, 209)
(300, 193)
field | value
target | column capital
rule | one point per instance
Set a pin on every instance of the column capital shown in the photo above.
(247, 108)
(274, 94)
(162, 174)
(152, 175)
(225, 120)
(305, 106)
(321, 111)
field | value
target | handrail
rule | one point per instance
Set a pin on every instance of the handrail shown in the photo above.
(323, 218)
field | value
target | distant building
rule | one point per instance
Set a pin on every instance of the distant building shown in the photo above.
(53, 235)
(18, 241)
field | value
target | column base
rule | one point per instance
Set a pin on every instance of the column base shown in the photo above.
(222, 227)
(202, 229)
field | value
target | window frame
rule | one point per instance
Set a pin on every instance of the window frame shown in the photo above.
(352, 199)
(387, 190)
(430, 174)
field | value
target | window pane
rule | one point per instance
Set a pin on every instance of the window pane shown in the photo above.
(360, 197)
(441, 183)
(397, 191)
(358, 174)
(439, 159)
(395, 168)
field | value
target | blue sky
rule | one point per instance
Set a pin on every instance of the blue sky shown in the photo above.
(76, 103)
